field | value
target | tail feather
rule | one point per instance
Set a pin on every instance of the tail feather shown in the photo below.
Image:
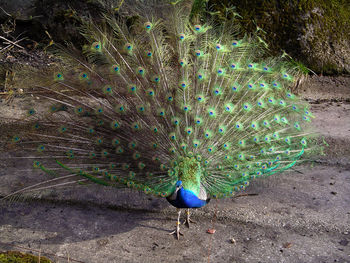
(138, 100)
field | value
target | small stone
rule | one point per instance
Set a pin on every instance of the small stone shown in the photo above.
(287, 245)
(211, 231)
(344, 242)
(233, 241)
(102, 242)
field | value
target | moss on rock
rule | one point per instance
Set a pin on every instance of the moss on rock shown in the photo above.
(315, 32)
(19, 257)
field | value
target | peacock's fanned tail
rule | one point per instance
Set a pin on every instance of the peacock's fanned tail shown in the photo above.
(133, 104)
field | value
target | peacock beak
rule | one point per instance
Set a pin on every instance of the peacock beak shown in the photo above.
(178, 185)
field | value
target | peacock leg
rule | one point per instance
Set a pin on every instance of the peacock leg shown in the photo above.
(177, 230)
(188, 220)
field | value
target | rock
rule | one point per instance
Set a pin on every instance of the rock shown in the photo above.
(316, 33)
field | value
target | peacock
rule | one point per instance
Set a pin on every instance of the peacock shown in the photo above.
(176, 108)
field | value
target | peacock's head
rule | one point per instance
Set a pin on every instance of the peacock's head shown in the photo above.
(178, 185)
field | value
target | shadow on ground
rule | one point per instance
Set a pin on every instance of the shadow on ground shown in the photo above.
(298, 217)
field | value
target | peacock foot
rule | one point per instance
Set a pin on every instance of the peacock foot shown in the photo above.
(177, 232)
(188, 220)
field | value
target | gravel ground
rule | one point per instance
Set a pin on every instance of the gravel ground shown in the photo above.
(300, 216)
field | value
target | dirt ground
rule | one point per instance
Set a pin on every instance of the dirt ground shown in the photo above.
(299, 216)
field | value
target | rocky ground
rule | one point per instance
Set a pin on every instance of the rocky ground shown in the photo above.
(300, 216)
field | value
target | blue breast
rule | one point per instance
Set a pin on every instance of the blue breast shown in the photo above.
(187, 199)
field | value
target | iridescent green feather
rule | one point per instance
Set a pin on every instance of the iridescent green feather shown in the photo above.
(163, 101)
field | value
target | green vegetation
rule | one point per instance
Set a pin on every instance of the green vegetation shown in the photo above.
(19, 257)
(309, 30)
